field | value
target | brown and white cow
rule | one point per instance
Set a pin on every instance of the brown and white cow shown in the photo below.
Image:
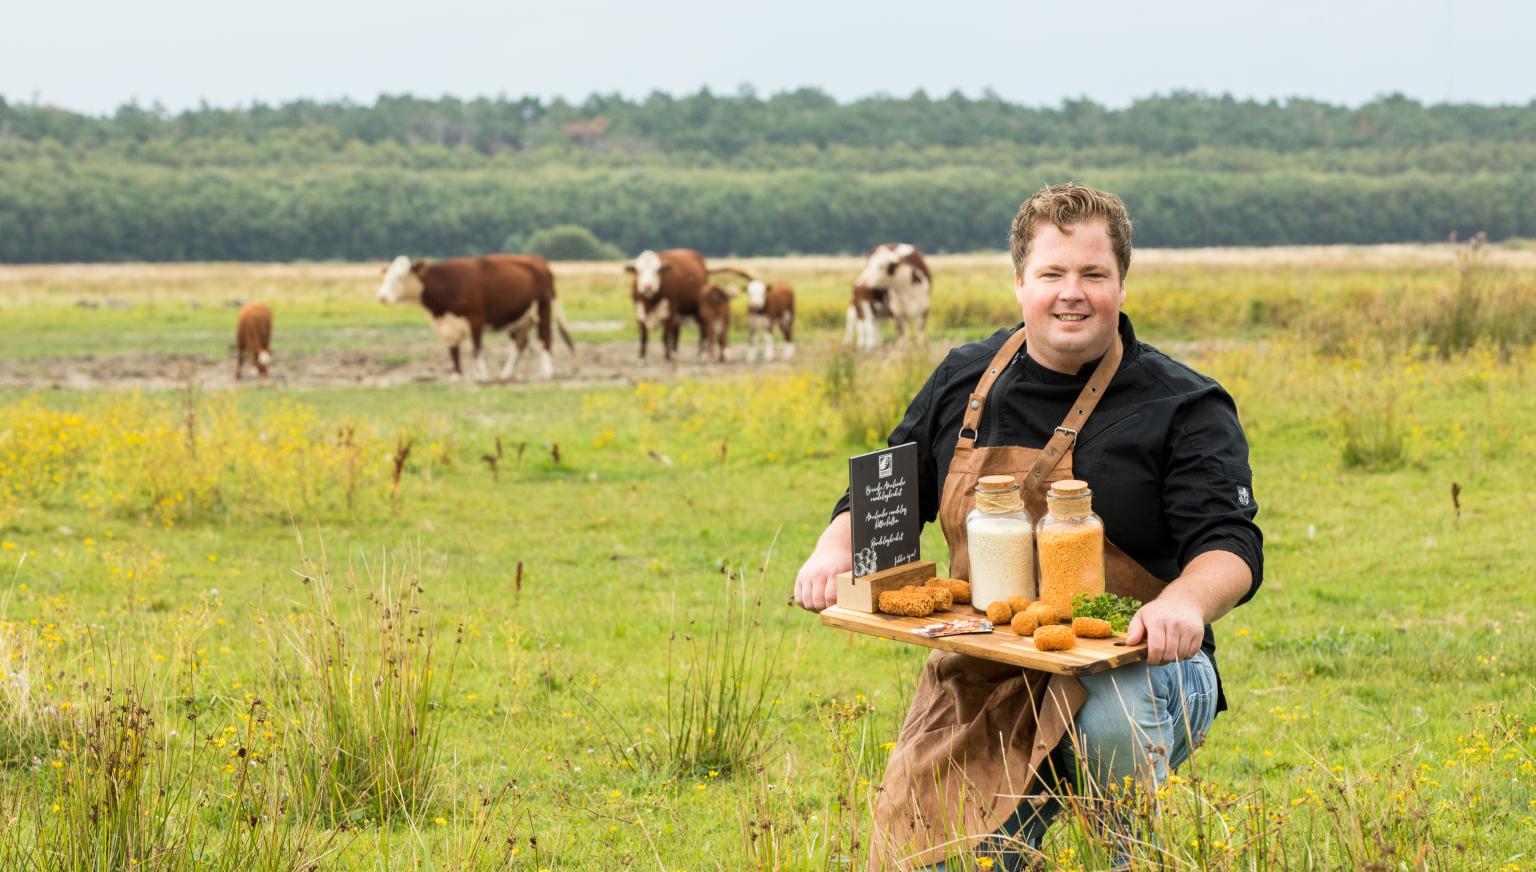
(666, 288)
(468, 295)
(769, 308)
(895, 279)
(253, 335)
(715, 321)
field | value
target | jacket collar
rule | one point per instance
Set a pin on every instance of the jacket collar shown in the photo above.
(1050, 376)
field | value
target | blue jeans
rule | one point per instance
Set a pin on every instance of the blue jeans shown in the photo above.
(1138, 722)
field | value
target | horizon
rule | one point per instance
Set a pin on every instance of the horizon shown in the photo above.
(36, 101)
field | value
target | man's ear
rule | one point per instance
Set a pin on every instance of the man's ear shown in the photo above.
(1122, 292)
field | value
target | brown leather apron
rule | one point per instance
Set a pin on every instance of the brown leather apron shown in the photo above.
(978, 731)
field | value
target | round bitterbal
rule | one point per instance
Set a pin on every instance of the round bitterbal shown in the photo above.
(1054, 637)
(1045, 613)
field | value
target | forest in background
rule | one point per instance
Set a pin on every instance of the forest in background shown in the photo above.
(796, 172)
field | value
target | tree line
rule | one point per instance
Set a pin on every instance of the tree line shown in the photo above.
(742, 175)
(728, 125)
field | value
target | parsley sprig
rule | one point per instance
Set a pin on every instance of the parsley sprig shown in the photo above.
(1118, 610)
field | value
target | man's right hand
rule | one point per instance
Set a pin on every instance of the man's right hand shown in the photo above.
(816, 585)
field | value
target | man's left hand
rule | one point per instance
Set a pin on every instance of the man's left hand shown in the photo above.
(1172, 627)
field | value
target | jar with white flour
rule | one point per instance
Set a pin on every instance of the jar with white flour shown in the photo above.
(1000, 538)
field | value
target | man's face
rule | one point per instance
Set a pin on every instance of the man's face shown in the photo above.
(1071, 292)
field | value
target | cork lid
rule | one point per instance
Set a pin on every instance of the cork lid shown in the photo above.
(1070, 488)
(991, 483)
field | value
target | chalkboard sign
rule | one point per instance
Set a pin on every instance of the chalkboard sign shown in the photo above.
(882, 487)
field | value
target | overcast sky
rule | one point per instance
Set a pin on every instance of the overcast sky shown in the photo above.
(93, 56)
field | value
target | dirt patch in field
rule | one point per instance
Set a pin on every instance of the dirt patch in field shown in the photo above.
(595, 363)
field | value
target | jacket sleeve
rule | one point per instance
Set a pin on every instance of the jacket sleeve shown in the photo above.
(917, 426)
(1208, 499)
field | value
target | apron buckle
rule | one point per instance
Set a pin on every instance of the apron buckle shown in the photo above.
(1069, 433)
(971, 437)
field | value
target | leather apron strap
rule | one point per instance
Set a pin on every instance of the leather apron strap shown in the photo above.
(1066, 435)
(978, 399)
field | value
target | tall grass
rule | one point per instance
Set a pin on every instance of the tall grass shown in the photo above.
(197, 460)
(113, 789)
(1378, 820)
(364, 686)
(29, 721)
(136, 782)
(1372, 434)
(868, 394)
(725, 679)
(722, 683)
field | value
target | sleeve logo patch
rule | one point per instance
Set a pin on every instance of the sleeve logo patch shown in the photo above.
(1242, 496)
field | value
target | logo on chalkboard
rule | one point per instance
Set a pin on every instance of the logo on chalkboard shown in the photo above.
(882, 492)
(864, 562)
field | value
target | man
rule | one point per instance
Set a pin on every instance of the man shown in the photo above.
(1161, 446)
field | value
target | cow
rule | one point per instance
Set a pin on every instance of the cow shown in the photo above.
(666, 288)
(895, 280)
(715, 320)
(465, 296)
(253, 335)
(769, 308)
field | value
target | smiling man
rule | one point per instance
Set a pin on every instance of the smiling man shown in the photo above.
(1161, 447)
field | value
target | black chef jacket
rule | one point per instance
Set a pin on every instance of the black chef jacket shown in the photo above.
(1163, 452)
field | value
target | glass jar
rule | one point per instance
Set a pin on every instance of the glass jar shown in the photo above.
(1070, 539)
(1000, 539)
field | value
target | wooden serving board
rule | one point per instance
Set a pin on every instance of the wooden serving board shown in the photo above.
(1002, 644)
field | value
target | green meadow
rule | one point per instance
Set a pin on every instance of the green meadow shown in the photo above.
(541, 626)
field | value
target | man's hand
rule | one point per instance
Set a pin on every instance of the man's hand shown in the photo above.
(1173, 629)
(816, 585)
(1173, 625)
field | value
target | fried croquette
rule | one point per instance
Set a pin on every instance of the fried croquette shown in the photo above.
(942, 597)
(960, 589)
(1045, 613)
(1018, 603)
(1092, 628)
(1024, 623)
(908, 602)
(1054, 637)
(999, 612)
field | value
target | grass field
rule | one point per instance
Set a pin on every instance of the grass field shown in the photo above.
(232, 637)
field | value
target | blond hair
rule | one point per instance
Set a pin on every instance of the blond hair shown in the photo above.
(1063, 206)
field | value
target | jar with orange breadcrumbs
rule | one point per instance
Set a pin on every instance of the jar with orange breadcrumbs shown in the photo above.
(1070, 542)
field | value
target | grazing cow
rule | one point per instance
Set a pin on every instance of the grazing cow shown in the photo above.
(666, 289)
(895, 280)
(875, 301)
(465, 296)
(769, 308)
(715, 320)
(253, 334)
